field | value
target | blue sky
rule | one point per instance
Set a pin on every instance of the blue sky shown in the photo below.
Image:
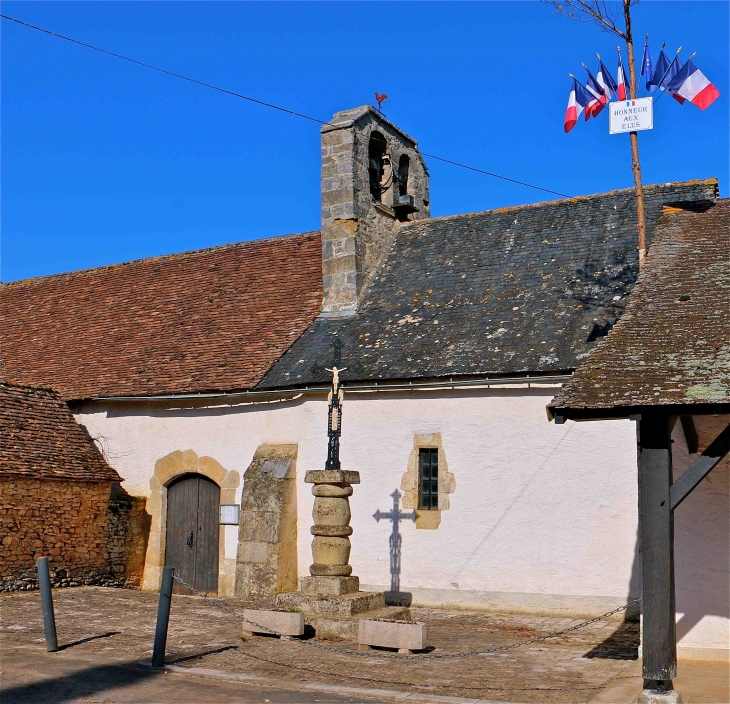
(104, 161)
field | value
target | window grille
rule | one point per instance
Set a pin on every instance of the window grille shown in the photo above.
(428, 471)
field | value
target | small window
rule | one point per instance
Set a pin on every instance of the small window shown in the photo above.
(428, 470)
(403, 167)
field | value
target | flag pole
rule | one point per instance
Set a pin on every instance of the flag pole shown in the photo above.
(634, 137)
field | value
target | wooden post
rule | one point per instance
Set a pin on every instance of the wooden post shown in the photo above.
(659, 640)
(634, 137)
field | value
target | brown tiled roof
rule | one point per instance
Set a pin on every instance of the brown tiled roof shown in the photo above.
(211, 320)
(40, 438)
(672, 345)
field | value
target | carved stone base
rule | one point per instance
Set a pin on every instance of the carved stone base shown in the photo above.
(343, 605)
(329, 586)
(654, 696)
(333, 606)
(330, 570)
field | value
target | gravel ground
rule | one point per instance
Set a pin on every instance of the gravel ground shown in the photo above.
(117, 626)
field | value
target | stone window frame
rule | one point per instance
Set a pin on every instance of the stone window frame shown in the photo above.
(428, 519)
(167, 470)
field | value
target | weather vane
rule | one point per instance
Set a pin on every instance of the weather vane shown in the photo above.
(380, 98)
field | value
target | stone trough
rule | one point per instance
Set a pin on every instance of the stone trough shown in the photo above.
(283, 623)
(388, 633)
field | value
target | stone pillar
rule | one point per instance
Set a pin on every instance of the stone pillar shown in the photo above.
(331, 573)
(330, 598)
(266, 564)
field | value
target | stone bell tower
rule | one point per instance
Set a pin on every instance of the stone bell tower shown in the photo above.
(373, 179)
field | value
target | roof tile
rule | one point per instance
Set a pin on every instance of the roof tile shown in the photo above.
(40, 438)
(672, 346)
(211, 320)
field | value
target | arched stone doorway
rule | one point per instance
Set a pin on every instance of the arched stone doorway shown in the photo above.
(191, 540)
(167, 470)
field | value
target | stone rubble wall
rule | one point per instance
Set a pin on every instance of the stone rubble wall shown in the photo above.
(91, 534)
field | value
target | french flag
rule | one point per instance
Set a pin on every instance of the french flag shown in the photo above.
(621, 91)
(577, 101)
(690, 83)
(596, 97)
(605, 80)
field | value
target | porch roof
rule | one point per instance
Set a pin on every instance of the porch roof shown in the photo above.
(671, 347)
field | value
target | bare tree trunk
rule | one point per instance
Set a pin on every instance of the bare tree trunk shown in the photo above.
(635, 163)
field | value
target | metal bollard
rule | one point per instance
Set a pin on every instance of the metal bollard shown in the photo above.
(163, 617)
(49, 618)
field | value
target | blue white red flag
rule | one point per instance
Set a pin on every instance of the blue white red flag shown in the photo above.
(596, 97)
(577, 101)
(646, 64)
(605, 80)
(690, 83)
(662, 64)
(621, 87)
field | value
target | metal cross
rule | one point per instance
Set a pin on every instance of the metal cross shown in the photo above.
(335, 400)
(395, 540)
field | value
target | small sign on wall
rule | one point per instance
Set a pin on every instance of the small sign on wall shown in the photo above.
(630, 116)
(230, 514)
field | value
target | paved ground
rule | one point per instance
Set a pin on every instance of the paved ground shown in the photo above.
(107, 636)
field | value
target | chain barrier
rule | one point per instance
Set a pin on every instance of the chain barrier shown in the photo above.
(425, 656)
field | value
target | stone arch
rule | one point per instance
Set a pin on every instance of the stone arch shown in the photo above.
(167, 469)
(378, 165)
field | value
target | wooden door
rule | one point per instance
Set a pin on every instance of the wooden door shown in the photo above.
(192, 532)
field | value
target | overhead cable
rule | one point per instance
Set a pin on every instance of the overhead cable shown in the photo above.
(258, 102)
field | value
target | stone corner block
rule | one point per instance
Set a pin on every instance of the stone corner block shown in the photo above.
(283, 623)
(654, 696)
(392, 634)
(331, 476)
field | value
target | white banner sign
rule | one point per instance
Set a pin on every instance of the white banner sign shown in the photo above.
(626, 116)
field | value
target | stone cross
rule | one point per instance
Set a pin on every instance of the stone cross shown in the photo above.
(396, 516)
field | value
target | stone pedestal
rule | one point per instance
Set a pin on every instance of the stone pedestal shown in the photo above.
(330, 598)
(655, 696)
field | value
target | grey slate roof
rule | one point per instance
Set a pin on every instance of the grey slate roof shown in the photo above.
(672, 347)
(506, 292)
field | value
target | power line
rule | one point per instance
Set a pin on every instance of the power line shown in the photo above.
(256, 101)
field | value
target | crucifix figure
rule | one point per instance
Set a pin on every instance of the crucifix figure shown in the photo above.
(395, 540)
(335, 399)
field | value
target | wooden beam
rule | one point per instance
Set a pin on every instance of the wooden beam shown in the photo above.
(701, 467)
(659, 641)
(690, 433)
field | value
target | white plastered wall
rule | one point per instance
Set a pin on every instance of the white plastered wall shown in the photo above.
(543, 517)
(702, 550)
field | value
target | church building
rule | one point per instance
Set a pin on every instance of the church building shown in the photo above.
(205, 375)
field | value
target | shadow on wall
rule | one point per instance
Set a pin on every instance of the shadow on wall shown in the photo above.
(128, 534)
(395, 597)
(701, 549)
